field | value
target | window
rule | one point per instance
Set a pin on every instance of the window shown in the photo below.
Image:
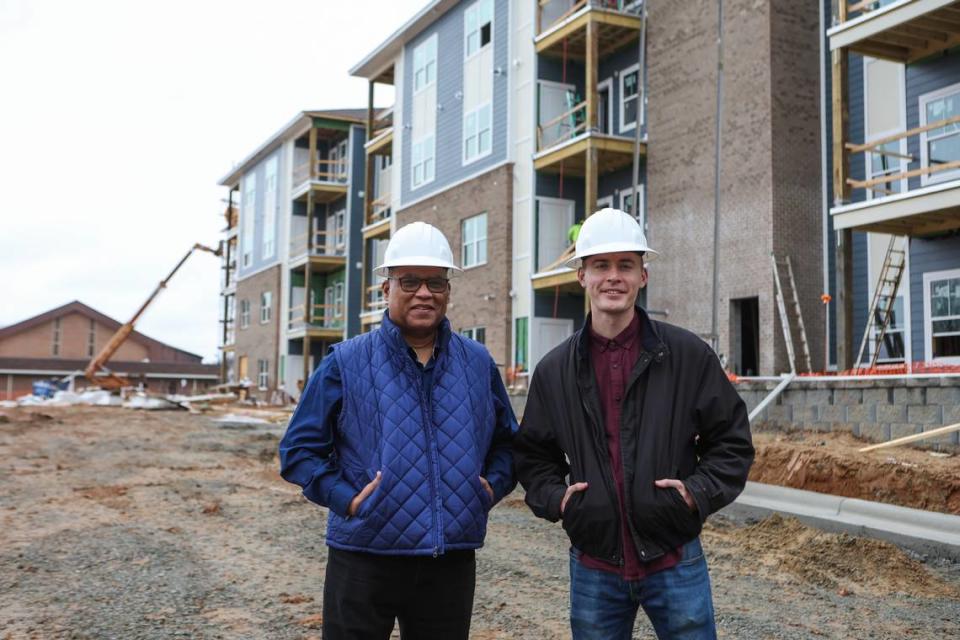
(338, 162)
(424, 113)
(249, 211)
(475, 333)
(477, 133)
(340, 228)
(941, 305)
(941, 145)
(92, 339)
(422, 157)
(478, 26)
(244, 314)
(266, 306)
(268, 244)
(629, 97)
(338, 302)
(474, 233)
(263, 374)
(55, 348)
(425, 64)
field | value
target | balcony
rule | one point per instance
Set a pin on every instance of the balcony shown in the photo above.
(901, 201)
(326, 253)
(326, 178)
(562, 26)
(897, 30)
(374, 304)
(381, 134)
(326, 321)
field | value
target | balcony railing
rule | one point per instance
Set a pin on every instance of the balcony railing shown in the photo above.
(846, 10)
(332, 171)
(380, 209)
(888, 183)
(375, 301)
(325, 243)
(566, 126)
(323, 316)
(553, 12)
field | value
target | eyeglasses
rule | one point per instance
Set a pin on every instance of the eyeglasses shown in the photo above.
(412, 284)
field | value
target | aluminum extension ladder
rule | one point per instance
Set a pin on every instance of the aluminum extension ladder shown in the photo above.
(785, 323)
(884, 298)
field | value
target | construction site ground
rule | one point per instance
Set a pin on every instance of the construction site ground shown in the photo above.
(116, 523)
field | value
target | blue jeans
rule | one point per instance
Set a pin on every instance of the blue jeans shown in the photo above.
(677, 600)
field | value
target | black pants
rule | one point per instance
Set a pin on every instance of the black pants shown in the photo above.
(432, 598)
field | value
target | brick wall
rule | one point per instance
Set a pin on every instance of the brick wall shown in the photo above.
(259, 341)
(480, 296)
(769, 187)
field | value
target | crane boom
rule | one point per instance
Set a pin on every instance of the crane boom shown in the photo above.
(100, 360)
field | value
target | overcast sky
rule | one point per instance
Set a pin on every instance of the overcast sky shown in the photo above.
(118, 117)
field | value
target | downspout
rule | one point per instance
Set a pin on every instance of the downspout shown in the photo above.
(641, 117)
(824, 184)
(714, 328)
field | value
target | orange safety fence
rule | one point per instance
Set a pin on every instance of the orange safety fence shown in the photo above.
(894, 369)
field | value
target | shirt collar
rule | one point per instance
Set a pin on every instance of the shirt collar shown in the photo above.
(624, 340)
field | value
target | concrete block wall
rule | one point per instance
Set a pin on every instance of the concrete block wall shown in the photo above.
(877, 410)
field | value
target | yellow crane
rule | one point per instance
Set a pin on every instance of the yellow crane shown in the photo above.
(107, 379)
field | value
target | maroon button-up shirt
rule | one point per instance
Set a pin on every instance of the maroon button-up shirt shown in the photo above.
(613, 361)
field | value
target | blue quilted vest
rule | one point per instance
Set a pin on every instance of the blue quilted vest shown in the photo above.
(429, 444)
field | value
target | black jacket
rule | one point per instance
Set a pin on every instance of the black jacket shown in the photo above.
(681, 418)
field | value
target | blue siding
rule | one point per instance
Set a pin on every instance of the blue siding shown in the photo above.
(449, 124)
(922, 78)
(259, 172)
(937, 254)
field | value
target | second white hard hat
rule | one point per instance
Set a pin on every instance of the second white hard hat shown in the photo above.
(610, 231)
(417, 244)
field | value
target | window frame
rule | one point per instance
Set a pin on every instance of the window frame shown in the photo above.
(621, 101)
(271, 206)
(245, 313)
(266, 306)
(475, 8)
(474, 242)
(473, 332)
(902, 126)
(928, 278)
(263, 374)
(922, 101)
(426, 145)
(628, 193)
(480, 153)
(248, 213)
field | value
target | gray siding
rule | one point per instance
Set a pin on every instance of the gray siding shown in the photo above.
(449, 125)
(259, 171)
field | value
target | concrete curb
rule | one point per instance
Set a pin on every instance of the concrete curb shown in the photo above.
(926, 532)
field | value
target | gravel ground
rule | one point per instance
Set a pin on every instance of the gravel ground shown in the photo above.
(124, 524)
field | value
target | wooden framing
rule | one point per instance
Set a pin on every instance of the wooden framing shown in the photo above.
(566, 280)
(905, 33)
(613, 153)
(615, 30)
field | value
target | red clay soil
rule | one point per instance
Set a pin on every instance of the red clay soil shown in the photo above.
(830, 463)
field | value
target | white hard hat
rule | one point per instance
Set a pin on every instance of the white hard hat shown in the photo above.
(610, 231)
(417, 244)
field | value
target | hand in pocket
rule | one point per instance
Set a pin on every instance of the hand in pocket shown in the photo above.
(364, 493)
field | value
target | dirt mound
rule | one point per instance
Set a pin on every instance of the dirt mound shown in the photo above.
(830, 463)
(839, 562)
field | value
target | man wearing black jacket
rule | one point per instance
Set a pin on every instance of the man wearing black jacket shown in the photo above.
(632, 435)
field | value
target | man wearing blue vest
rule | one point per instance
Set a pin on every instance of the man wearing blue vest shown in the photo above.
(404, 434)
